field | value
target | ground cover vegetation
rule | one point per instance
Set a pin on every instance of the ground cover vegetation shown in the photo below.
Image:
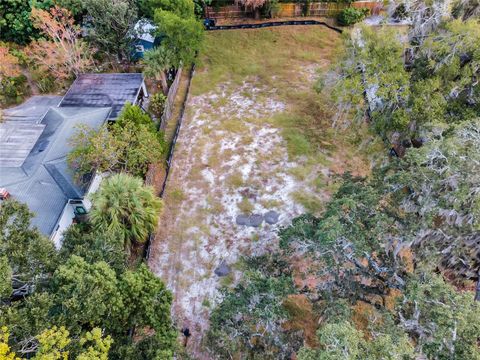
(389, 268)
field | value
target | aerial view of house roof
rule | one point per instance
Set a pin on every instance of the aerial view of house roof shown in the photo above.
(33, 166)
(104, 90)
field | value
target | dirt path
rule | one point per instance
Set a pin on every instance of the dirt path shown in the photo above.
(244, 148)
(33, 86)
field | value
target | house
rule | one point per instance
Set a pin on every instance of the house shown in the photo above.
(106, 90)
(145, 38)
(34, 149)
(34, 170)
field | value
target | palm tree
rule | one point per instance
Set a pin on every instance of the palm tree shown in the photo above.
(157, 62)
(125, 207)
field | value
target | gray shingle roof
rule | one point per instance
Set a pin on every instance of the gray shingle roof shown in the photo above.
(44, 182)
(103, 90)
(16, 142)
(32, 109)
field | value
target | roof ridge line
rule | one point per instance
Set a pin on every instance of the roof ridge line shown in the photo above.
(65, 186)
(91, 109)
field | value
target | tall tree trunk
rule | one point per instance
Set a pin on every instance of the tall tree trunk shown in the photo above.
(162, 77)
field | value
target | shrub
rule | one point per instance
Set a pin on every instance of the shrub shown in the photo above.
(157, 104)
(45, 82)
(400, 12)
(271, 9)
(350, 16)
(130, 145)
(13, 90)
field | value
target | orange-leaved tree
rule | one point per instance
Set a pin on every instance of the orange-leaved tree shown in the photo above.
(8, 64)
(62, 53)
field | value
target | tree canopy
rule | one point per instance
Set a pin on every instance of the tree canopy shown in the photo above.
(440, 87)
(112, 27)
(182, 8)
(181, 36)
(83, 303)
(125, 207)
(130, 145)
(62, 54)
(15, 22)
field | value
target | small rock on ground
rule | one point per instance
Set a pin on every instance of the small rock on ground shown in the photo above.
(242, 220)
(271, 217)
(223, 269)
(255, 220)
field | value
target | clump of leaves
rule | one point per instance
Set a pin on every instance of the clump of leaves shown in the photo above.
(350, 16)
(130, 145)
(157, 104)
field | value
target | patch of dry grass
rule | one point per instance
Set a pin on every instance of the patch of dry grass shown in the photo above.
(311, 202)
(245, 205)
(235, 180)
(232, 125)
(234, 55)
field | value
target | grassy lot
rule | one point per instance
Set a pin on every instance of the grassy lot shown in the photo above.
(256, 137)
(287, 60)
(234, 55)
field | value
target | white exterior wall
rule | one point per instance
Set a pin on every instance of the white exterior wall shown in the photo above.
(94, 185)
(63, 224)
(68, 214)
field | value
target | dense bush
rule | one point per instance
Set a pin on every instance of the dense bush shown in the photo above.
(270, 9)
(130, 145)
(400, 12)
(350, 16)
(157, 104)
(45, 82)
(13, 90)
(15, 23)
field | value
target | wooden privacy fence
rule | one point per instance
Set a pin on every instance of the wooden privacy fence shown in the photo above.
(156, 172)
(290, 10)
(326, 9)
(225, 12)
(172, 92)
